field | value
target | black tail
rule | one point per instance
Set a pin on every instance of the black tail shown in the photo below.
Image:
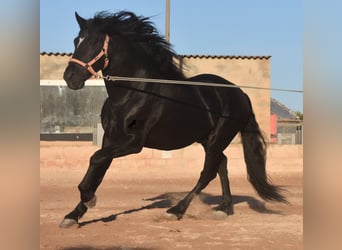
(254, 147)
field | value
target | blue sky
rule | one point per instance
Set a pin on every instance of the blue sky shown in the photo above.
(215, 27)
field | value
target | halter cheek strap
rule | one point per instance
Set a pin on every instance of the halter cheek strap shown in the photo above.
(88, 65)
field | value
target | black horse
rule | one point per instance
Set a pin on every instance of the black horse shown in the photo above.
(160, 116)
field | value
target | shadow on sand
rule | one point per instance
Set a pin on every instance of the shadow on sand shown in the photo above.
(168, 199)
(104, 248)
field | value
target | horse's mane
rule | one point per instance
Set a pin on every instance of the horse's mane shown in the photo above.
(139, 30)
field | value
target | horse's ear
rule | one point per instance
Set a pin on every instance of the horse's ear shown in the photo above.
(81, 21)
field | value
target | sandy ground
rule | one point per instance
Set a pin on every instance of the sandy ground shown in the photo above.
(132, 204)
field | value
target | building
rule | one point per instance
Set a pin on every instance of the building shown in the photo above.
(286, 127)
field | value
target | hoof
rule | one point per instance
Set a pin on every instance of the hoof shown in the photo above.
(91, 203)
(219, 215)
(226, 209)
(175, 212)
(170, 216)
(66, 223)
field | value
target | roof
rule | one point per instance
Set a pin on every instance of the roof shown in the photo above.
(226, 57)
(184, 56)
(282, 112)
(55, 54)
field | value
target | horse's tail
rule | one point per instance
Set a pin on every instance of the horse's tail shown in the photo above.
(254, 147)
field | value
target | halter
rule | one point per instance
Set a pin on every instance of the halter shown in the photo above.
(88, 66)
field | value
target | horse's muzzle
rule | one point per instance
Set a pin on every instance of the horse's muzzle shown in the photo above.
(72, 81)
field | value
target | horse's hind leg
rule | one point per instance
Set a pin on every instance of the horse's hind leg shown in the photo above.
(226, 204)
(209, 172)
(215, 162)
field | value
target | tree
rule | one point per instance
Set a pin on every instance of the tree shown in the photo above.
(299, 115)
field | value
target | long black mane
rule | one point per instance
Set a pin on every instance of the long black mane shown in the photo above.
(140, 31)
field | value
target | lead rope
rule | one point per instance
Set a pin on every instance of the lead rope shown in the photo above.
(209, 84)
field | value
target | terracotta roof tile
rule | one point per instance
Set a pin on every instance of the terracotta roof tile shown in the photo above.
(55, 54)
(226, 56)
(184, 56)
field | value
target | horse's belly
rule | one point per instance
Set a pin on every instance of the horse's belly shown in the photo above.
(169, 137)
(168, 143)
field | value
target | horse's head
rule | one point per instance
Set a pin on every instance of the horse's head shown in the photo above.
(90, 55)
(135, 47)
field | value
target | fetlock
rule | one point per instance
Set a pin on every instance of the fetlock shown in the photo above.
(91, 203)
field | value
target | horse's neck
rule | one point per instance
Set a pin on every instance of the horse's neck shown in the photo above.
(171, 73)
(138, 68)
(135, 63)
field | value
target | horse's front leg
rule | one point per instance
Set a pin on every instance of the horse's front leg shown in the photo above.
(98, 165)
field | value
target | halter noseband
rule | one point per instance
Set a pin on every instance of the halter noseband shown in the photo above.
(88, 66)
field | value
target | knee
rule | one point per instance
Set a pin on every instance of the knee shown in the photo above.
(82, 187)
(85, 192)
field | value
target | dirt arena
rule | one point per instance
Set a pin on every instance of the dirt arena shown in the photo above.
(137, 190)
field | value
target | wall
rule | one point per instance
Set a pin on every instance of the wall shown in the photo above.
(68, 111)
(52, 66)
(77, 154)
